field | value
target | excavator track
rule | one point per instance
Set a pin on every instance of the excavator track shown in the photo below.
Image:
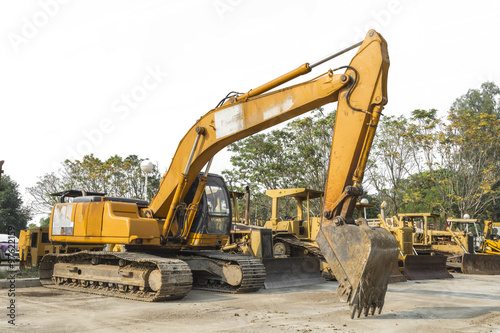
(253, 273)
(129, 275)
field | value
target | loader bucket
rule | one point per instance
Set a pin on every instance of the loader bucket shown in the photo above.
(425, 267)
(292, 272)
(360, 258)
(486, 264)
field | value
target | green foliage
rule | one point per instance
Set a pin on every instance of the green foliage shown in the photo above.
(44, 221)
(294, 156)
(485, 100)
(422, 163)
(12, 211)
(116, 176)
(390, 162)
(447, 165)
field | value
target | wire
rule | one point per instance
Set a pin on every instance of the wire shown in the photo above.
(229, 95)
(351, 88)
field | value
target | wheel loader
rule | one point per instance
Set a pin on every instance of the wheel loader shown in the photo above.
(457, 242)
(173, 243)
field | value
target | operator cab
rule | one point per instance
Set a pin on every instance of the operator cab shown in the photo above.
(214, 213)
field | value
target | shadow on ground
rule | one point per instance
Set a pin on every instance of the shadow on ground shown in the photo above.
(459, 312)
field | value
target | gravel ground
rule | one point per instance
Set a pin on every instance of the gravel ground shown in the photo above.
(466, 303)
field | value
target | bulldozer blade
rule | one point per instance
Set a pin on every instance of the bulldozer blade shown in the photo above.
(425, 267)
(485, 264)
(360, 258)
(396, 275)
(292, 272)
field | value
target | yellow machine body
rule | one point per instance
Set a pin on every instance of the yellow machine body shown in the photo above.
(491, 241)
(35, 243)
(304, 226)
(187, 213)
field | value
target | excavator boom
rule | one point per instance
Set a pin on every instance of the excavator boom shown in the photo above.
(358, 255)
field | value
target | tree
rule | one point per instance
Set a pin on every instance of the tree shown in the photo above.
(294, 156)
(390, 162)
(44, 221)
(13, 214)
(484, 100)
(457, 160)
(116, 176)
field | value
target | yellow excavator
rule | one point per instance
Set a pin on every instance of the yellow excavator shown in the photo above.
(173, 243)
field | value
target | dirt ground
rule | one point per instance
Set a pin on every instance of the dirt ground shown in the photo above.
(466, 303)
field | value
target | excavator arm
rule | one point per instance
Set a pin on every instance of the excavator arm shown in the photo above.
(358, 255)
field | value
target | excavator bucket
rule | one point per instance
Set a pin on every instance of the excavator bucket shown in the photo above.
(425, 267)
(292, 272)
(359, 257)
(485, 264)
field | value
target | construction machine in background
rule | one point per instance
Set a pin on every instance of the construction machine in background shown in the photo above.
(282, 269)
(292, 235)
(34, 243)
(414, 266)
(295, 236)
(174, 242)
(491, 238)
(457, 242)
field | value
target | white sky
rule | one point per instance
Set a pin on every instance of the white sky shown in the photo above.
(67, 67)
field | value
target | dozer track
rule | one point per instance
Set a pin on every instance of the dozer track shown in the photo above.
(298, 245)
(306, 249)
(129, 275)
(222, 272)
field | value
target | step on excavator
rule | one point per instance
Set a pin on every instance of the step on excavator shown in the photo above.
(173, 242)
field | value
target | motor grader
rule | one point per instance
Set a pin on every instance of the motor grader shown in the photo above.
(173, 243)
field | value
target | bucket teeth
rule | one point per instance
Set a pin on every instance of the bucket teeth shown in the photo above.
(360, 258)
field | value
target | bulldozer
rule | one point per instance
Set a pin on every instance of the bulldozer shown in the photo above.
(282, 270)
(173, 243)
(295, 236)
(457, 242)
(413, 266)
